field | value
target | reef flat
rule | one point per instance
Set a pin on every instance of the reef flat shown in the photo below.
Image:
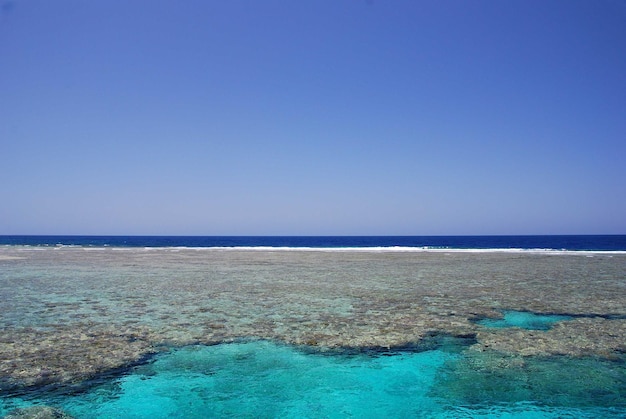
(70, 314)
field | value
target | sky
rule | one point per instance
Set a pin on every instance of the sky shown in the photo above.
(312, 117)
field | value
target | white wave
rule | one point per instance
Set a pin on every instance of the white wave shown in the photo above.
(391, 249)
(372, 249)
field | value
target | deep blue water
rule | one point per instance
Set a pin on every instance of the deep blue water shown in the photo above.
(569, 242)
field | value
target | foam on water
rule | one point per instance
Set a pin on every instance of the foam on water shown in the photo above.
(368, 249)
(263, 379)
(408, 249)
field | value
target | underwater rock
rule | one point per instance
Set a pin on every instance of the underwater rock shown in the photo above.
(38, 412)
(577, 338)
(496, 378)
(37, 358)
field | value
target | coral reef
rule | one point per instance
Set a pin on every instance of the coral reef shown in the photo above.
(72, 314)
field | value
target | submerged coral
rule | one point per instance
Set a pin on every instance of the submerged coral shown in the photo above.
(72, 314)
(38, 412)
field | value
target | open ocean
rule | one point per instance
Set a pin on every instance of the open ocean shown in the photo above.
(565, 242)
(313, 327)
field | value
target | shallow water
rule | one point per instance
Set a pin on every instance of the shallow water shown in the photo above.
(264, 379)
(525, 320)
(306, 333)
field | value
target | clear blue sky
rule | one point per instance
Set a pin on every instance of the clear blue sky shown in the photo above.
(312, 117)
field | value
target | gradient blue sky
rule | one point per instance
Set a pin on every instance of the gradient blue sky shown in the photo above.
(312, 117)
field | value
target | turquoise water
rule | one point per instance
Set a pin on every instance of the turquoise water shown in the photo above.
(525, 320)
(263, 379)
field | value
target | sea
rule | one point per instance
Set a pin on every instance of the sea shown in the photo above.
(313, 327)
(552, 242)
